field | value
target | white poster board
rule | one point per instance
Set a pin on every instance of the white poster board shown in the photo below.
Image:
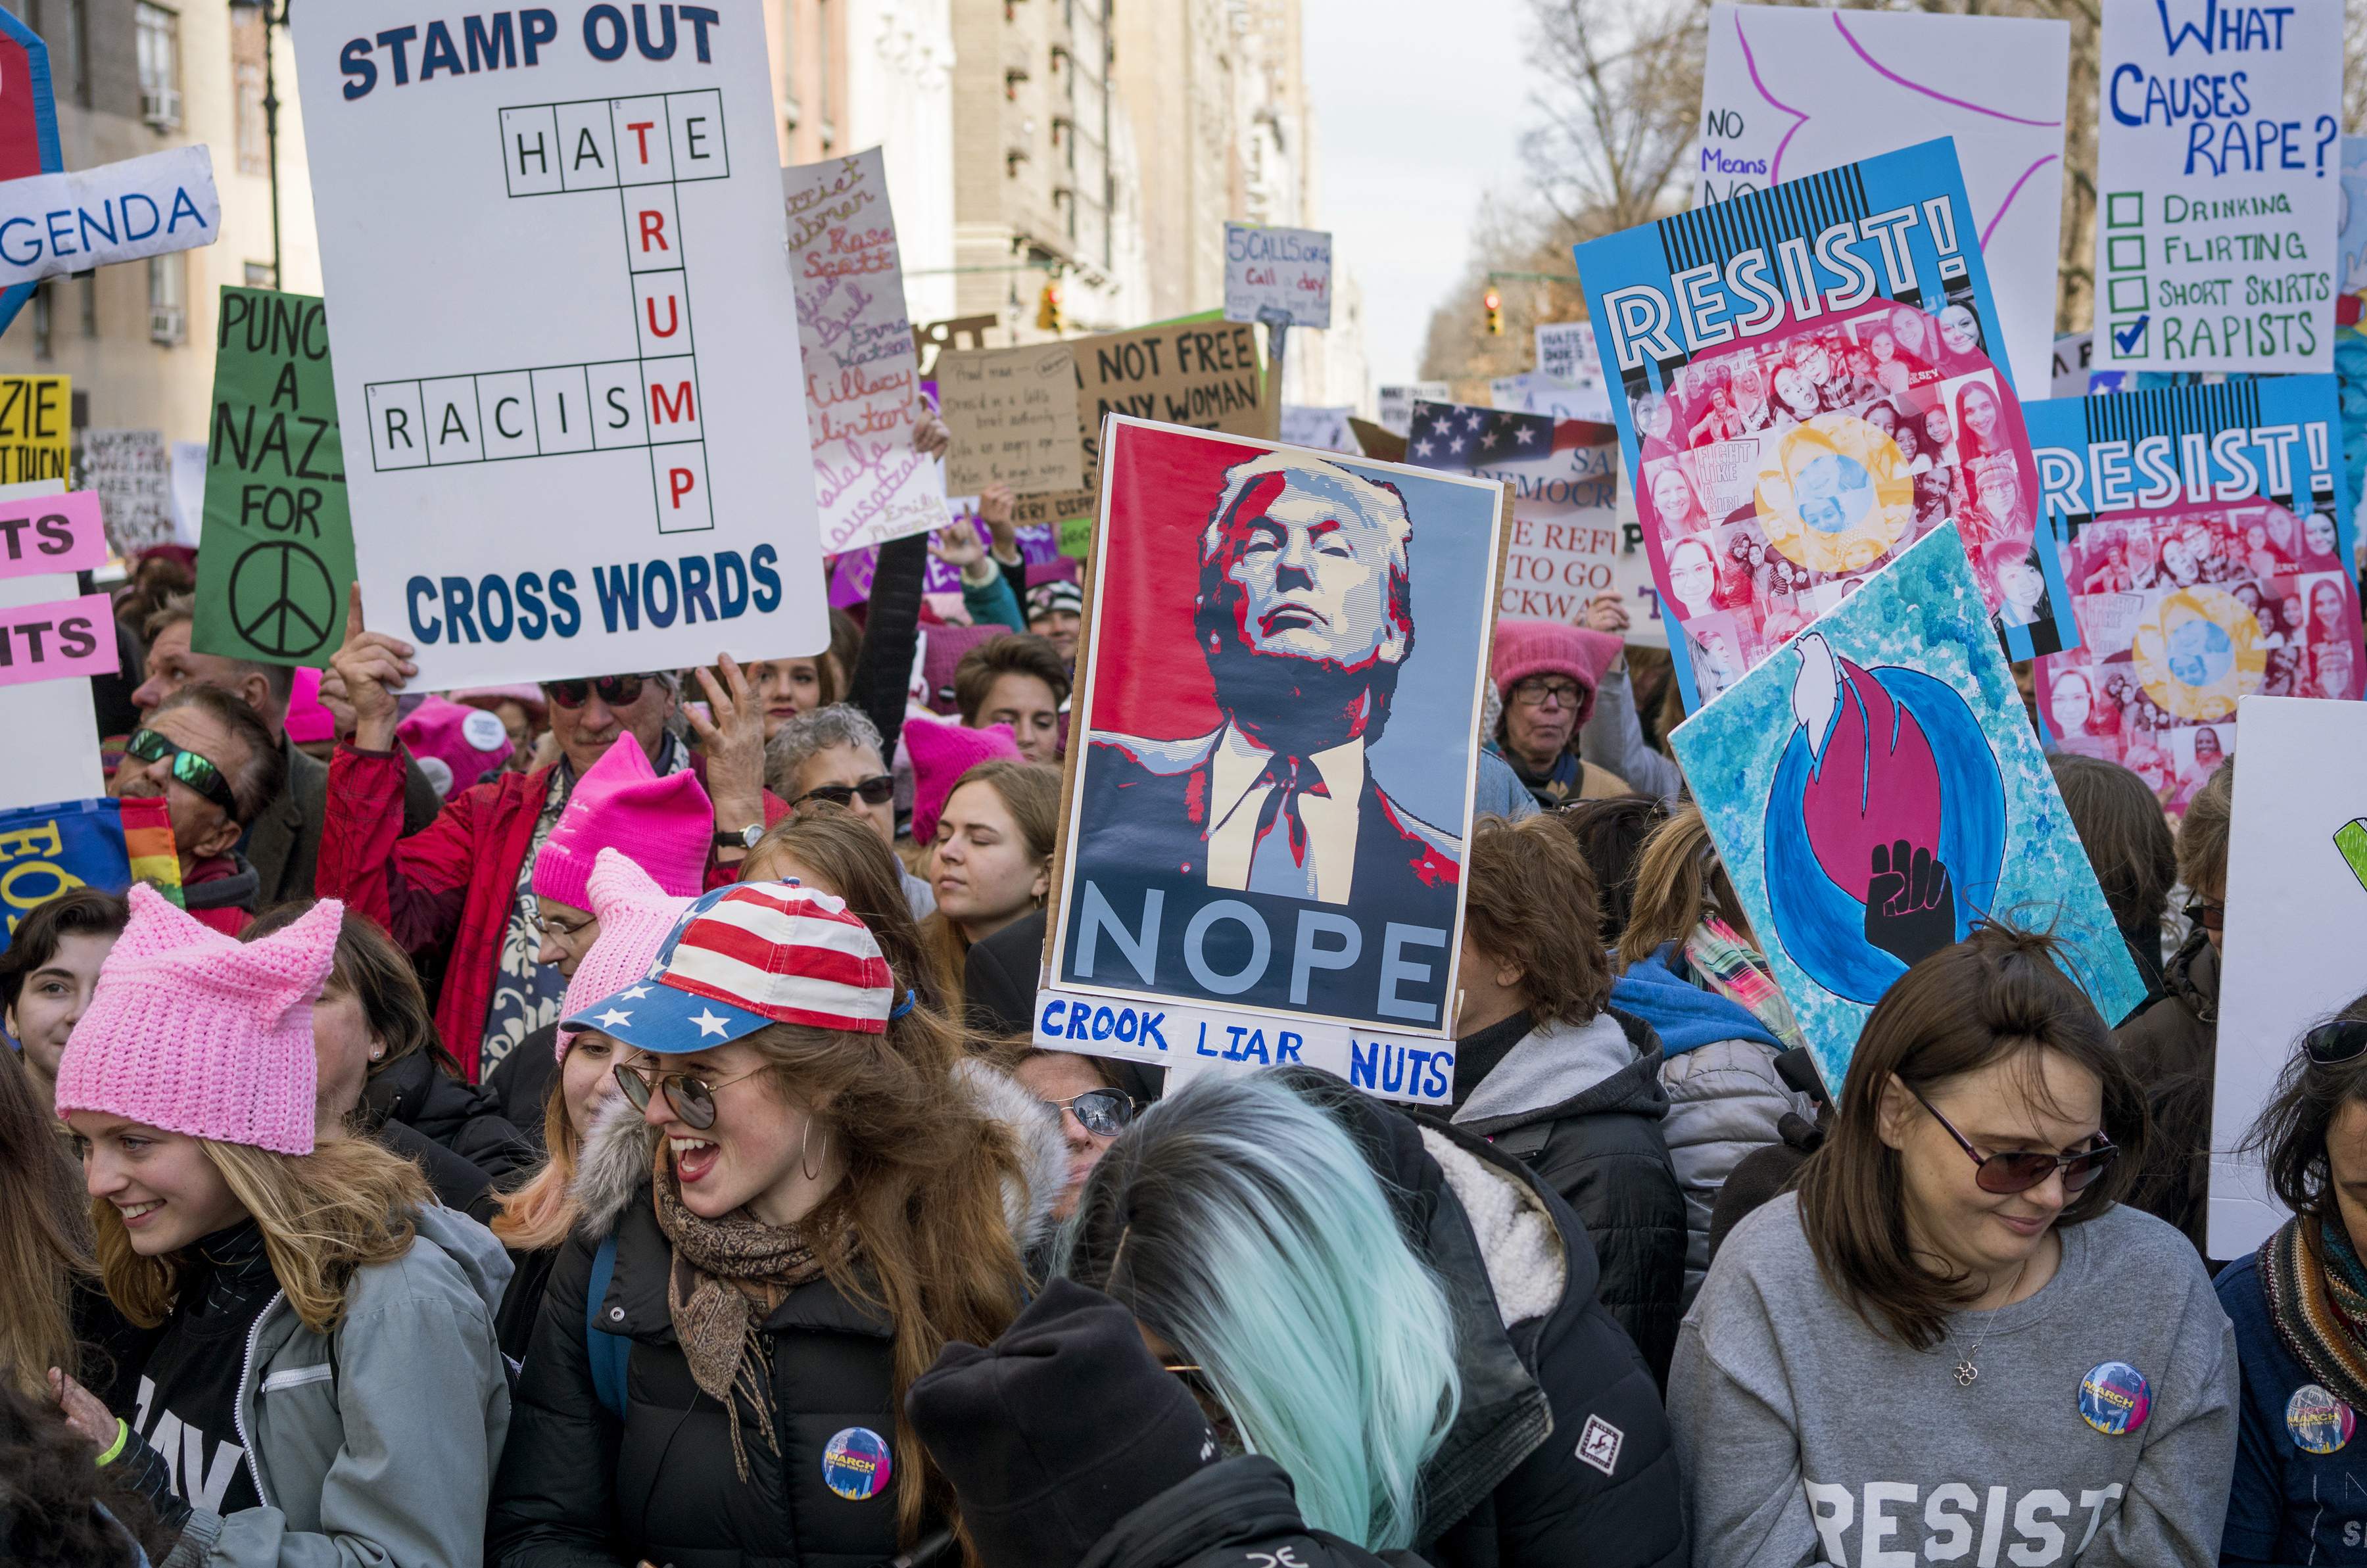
(1324, 429)
(1534, 392)
(65, 764)
(862, 379)
(1396, 402)
(2074, 352)
(1788, 92)
(1566, 352)
(2218, 185)
(132, 474)
(556, 266)
(54, 224)
(1273, 268)
(2296, 907)
(189, 466)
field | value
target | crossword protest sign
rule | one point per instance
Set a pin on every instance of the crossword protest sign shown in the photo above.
(555, 259)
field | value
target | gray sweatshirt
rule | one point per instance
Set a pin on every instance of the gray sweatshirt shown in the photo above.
(1808, 1438)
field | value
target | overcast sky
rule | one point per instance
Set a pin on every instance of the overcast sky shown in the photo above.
(1418, 109)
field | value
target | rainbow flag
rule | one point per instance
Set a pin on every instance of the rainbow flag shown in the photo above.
(111, 844)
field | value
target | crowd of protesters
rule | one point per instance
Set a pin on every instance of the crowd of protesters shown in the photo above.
(596, 1123)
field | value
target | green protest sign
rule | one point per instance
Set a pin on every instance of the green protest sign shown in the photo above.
(279, 541)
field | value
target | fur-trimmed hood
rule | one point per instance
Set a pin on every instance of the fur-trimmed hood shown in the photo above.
(615, 1163)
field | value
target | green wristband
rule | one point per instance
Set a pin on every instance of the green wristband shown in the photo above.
(122, 1436)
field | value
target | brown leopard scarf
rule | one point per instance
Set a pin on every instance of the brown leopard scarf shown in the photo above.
(728, 1276)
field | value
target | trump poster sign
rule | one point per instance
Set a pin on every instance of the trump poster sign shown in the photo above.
(1261, 864)
(555, 256)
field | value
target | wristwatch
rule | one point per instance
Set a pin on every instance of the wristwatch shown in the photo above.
(739, 838)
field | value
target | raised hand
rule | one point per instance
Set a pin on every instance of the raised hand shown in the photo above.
(734, 740)
(1911, 904)
(373, 666)
(1606, 611)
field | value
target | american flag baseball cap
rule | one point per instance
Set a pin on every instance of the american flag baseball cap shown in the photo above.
(746, 955)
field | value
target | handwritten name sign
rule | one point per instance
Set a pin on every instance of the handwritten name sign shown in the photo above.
(1013, 413)
(1285, 269)
(857, 343)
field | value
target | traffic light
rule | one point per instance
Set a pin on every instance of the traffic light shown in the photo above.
(1495, 303)
(1048, 309)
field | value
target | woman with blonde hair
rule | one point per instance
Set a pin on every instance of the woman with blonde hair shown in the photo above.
(991, 860)
(44, 1240)
(324, 1385)
(823, 1201)
(1690, 967)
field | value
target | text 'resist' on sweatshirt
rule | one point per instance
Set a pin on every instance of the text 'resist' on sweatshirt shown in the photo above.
(2100, 1429)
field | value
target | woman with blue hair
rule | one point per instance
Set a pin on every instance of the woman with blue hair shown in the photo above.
(1294, 1318)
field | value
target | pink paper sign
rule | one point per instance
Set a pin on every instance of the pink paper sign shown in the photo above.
(53, 640)
(51, 533)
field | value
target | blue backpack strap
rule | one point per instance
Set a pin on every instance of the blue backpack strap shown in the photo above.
(606, 1352)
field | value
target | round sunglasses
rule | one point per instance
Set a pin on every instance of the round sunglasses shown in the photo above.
(198, 772)
(1103, 1112)
(692, 1097)
(2021, 1170)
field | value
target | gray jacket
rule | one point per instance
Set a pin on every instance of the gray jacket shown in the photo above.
(1613, 738)
(1726, 1098)
(374, 1447)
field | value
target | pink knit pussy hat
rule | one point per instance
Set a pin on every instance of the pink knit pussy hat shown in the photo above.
(941, 754)
(666, 824)
(636, 916)
(192, 1032)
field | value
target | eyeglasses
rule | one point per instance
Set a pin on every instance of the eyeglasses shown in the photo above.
(693, 1098)
(617, 691)
(2337, 1042)
(876, 790)
(1566, 692)
(2207, 914)
(198, 772)
(1103, 1112)
(545, 926)
(2021, 1170)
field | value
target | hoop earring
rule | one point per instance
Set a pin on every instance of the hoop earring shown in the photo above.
(804, 1162)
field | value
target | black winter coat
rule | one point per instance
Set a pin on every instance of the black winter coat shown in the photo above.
(1510, 1485)
(1582, 1107)
(521, 1082)
(454, 1130)
(579, 1489)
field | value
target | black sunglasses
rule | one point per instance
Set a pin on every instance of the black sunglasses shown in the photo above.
(2021, 1172)
(2207, 914)
(615, 690)
(876, 790)
(693, 1098)
(198, 772)
(1103, 1112)
(2340, 1040)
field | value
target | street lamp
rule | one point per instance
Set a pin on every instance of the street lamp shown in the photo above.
(272, 18)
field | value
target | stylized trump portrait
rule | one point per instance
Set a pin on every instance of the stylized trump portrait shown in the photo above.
(1280, 716)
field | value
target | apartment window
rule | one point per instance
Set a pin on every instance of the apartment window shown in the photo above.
(247, 77)
(159, 33)
(88, 285)
(44, 346)
(61, 27)
(822, 57)
(168, 295)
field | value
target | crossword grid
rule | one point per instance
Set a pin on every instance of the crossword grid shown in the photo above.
(642, 149)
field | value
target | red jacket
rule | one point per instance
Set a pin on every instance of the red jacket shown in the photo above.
(452, 881)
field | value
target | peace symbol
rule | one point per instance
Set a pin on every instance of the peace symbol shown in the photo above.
(282, 600)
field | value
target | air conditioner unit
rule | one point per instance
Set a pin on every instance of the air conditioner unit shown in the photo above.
(167, 325)
(161, 107)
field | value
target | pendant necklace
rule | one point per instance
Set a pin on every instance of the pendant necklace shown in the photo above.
(1966, 1373)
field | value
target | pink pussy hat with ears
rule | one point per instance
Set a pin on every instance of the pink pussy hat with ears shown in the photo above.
(666, 825)
(941, 754)
(192, 1032)
(636, 917)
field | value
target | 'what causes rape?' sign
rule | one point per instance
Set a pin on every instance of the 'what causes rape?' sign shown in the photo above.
(2218, 177)
(553, 244)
